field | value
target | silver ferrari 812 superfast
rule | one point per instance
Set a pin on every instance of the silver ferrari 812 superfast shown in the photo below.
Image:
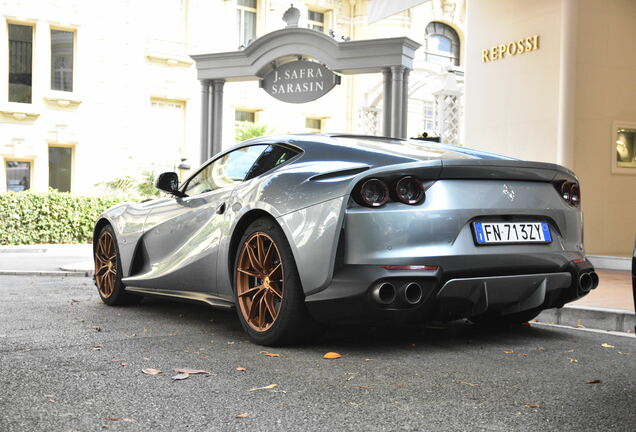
(296, 231)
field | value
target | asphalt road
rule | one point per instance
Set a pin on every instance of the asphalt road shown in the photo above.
(70, 363)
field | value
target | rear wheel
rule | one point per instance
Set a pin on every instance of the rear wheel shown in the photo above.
(108, 272)
(515, 318)
(268, 294)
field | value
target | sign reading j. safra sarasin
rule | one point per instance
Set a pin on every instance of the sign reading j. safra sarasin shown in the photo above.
(521, 46)
(299, 81)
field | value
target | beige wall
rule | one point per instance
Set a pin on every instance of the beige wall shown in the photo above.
(557, 103)
(605, 92)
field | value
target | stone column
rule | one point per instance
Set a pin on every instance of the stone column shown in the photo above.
(386, 103)
(205, 119)
(217, 116)
(405, 102)
(397, 93)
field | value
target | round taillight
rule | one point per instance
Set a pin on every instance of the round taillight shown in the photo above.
(374, 193)
(575, 195)
(409, 190)
(565, 191)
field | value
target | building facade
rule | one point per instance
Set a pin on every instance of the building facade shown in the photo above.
(565, 94)
(92, 94)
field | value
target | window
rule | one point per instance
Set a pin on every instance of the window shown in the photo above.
(20, 62)
(316, 20)
(225, 171)
(246, 21)
(442, 44)
(244, 116)
(313, 125)
(62, 60)
(60, 165)
(167, 133)
(428, 119)
(18, 176)
(273, 156)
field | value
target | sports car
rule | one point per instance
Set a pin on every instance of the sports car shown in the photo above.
(298, 231)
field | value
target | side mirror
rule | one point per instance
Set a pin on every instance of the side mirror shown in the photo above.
(169, 182)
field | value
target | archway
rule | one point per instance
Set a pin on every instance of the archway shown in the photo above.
(393, 57)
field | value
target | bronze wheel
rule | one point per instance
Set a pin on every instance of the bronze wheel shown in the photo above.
(105, 264)
(260, 284)
(108, 272)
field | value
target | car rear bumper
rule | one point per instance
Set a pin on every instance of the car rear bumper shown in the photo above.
(448, 293)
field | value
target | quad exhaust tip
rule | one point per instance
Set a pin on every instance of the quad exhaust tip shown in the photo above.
(384, 293)
(412, 293)
(587, 282)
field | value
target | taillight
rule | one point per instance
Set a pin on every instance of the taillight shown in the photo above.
(409, 190)
(374, 193)
(569, 191)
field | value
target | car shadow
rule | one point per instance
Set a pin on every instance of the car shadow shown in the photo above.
(454, 335)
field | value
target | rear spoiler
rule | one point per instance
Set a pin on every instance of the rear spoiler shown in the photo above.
(494, 169)
(474, 169)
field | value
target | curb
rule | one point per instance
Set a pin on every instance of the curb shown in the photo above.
(45, 273)
(590, 317)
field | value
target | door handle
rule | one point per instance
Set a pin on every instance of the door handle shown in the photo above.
(220, 209)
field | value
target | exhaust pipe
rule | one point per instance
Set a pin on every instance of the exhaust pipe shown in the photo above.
(412, 293)
(585, 283)
(595, 280)
(383, 293)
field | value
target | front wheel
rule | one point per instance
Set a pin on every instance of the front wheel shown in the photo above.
(108, 271)
(268, 294)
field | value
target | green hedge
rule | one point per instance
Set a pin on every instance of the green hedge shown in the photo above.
(53, 217)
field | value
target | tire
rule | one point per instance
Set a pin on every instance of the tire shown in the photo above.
(108, 273)
(515, 318)
(269, 299)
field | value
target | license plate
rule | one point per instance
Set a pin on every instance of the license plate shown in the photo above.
(511, 232)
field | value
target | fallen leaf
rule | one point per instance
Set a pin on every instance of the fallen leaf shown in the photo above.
(241, 369)
(244, 415)
(579, 326)
(604, 345)
(541, 349)
(526, 324)
(532, 405)
(363, 387)
(569, 351)
(114, 418)
(123, 364)
(231, 343)
(191, 371)
(331, 355)
(180, 376)
(573, 360)
(624, 353)
(523, 355)
(269, 387)
(508, 352)
(468, 384)
(594, 381)
(269, 354)
(128, 420)
(105, 427)
(151, 371)
(146, 358)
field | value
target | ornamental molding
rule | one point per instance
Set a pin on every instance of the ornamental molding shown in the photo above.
(19, 115)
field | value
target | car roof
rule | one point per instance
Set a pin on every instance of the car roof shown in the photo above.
(361, 147)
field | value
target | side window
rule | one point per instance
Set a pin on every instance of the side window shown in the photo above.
(273, 156)
(225, 171)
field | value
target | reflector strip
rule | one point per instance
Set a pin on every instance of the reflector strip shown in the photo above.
(578, 260)
(410, 267)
